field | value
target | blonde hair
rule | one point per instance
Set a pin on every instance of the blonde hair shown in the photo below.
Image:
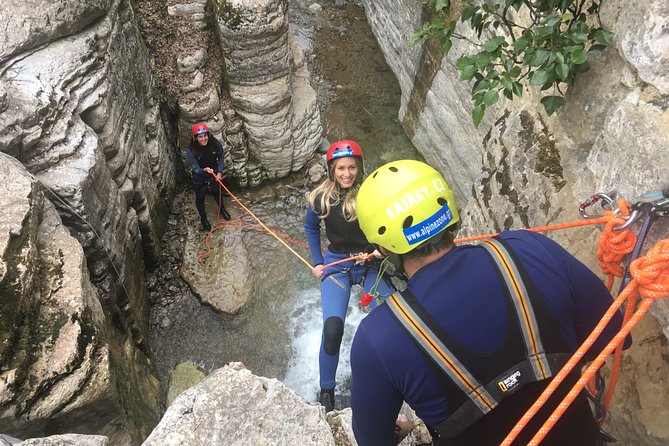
(328, 194)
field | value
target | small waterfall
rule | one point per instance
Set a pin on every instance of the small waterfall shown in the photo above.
(305, 328)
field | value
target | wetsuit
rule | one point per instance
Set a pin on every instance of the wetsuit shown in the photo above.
(199, 157)
(345, 239)
(463, 292)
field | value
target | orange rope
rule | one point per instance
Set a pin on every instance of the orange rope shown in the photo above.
(650, 278)
(362, 257)
(655, 280)
(573, 224)
(614, 245)
(271, 232)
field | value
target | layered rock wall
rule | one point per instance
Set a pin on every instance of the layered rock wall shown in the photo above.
(522, 168)
(78, 113)
(59, 369)
(236, 66)
(269, 85)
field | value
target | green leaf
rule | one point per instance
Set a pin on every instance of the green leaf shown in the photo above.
(480, 86)
(582, 68)
(477, 114)
(446, 46)
(508, 94)
(490, 97)
(567, 16)
(442, 5)
(491, 45)
(544, 31)
(482, 59)
(515, 72)
(520, 44)
(467, 72)
(552, 103)
(539, 77)
(596, 49)
(508, 64)
(603, 37)
(463, 62)
(538, 58)
(507, 83)
(579, 56)
(562, 70)
(492, 73)
(468, 12)
(517, 89)
(553, 20)
(579, 37)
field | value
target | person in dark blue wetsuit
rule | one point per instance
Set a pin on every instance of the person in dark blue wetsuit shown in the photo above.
(333, 203)
(460, 294)
(205, 157)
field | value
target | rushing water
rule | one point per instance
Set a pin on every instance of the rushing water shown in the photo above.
(277, 334)
(364, 106)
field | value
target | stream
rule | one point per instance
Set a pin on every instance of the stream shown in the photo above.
(277, 334)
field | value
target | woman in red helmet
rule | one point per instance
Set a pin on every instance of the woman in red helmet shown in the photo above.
(205, 156)
(333, 203)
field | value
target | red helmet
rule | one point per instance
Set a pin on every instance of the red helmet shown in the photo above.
(200, 128)
(341, 149)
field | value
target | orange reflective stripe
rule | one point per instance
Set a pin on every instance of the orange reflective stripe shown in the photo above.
(440, 354)
(518, 293)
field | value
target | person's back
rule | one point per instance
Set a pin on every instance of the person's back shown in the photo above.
(462, 291)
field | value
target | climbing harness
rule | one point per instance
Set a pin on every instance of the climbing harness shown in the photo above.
(484, 389)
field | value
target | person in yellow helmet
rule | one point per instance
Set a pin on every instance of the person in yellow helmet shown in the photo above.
(479, 330)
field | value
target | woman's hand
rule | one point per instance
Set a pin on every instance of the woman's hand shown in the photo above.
(208, 170)
(317, 271)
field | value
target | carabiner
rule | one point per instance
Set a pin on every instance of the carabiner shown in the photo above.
(630, 219)
(609, 201)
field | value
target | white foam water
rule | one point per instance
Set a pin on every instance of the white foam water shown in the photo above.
(306, 319)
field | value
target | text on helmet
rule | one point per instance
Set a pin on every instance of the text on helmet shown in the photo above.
(405, 203)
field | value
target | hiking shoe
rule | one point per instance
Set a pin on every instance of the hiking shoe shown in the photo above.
(326, 399)
(205, 224)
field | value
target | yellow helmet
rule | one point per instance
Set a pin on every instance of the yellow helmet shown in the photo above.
(404, 203)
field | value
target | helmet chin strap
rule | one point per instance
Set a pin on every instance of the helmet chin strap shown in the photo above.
(395, 269)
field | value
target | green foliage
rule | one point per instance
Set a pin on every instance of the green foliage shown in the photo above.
(545, 49)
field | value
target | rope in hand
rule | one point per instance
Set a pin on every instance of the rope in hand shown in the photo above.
(269, 231)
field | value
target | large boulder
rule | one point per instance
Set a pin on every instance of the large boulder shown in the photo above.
(234, 407)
